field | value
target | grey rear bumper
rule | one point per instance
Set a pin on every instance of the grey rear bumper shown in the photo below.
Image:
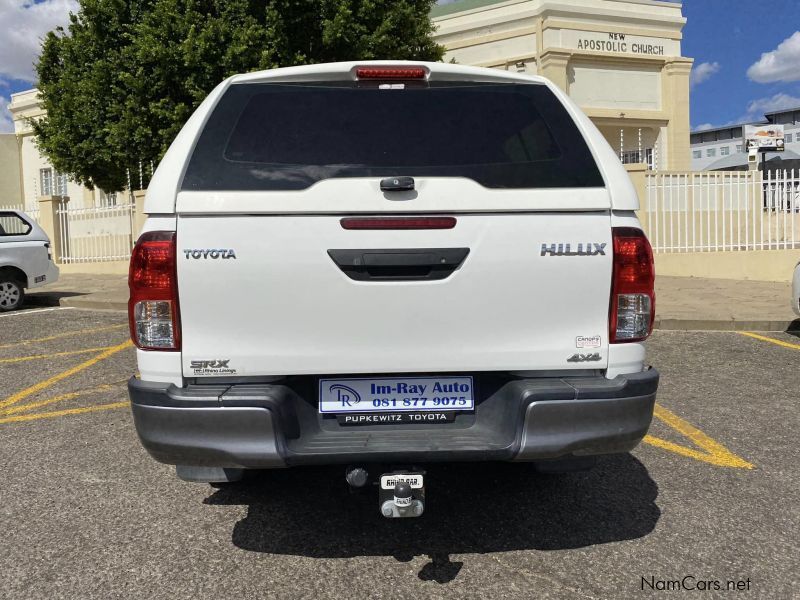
(277, 425)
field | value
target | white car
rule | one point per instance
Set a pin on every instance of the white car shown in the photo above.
(384, 265)
(25, 258)
(796, 290)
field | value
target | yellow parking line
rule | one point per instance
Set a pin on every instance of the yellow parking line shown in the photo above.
(764, 338)
(17, 359)
(63, 335)
(68, 396)
(15, 398)
(62, 413)
(712, 451)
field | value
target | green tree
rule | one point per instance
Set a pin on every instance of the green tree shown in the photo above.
(124, 76)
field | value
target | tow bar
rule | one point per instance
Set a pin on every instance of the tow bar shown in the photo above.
(401, 493)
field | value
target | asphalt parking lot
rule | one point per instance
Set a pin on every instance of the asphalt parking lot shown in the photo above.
(711, 496)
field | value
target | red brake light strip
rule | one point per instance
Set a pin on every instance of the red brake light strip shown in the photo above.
(391, 73)
(398, 223)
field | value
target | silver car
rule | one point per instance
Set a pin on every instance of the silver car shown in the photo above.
(796, 290)
(25, 258)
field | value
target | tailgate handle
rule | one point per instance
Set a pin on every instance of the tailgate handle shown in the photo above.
(423, 264)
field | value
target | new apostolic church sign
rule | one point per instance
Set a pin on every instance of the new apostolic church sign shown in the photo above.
(621, 43)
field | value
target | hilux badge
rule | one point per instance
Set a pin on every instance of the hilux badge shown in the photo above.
(565, 249)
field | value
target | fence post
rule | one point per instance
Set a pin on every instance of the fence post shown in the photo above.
(139, 216)
(49, 220)
(638, 174)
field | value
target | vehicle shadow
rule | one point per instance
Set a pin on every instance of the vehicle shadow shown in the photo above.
(794, 328)
(471, 508)
(39, 299)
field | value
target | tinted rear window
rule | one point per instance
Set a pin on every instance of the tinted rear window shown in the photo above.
(289, 136)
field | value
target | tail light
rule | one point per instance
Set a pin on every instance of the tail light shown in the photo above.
(153, 305)
(633, 298)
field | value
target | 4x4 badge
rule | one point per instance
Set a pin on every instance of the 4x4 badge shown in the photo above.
(577, 358)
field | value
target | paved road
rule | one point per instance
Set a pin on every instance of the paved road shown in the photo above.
(85, 513)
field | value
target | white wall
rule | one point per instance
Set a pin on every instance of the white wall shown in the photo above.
(10, 192)
(619, 87)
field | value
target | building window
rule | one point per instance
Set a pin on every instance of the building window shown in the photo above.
(711, 152)
(739, 148)
(697, 154)
(108, 199)
(634, 156)
(61, 184)
(52, 184)
(45, 182)
(788, 138)
(725, 151)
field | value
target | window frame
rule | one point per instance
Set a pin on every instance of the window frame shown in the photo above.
(46, 190)
(11, 214)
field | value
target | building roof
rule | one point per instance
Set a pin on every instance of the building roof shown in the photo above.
(780, 112)
(441, 10)
(724, 127)
(461, 5)
(771, 113)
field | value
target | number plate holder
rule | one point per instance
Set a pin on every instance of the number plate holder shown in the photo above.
(396, 395)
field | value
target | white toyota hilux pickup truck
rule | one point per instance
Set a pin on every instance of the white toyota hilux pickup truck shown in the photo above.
(384, 265)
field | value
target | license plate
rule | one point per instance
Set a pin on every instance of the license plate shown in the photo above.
(395, 394)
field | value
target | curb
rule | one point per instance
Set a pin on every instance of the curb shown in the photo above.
(88, 303)
(725, 325)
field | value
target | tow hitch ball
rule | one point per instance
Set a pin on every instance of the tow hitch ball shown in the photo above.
(401, 494)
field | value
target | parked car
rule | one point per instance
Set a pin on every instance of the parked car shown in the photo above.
(384, 265)
(25, 258)
(796, 290)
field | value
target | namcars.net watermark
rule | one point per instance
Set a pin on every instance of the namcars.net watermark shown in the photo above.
(693, 583)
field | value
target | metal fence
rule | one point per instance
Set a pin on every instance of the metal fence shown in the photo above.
(96, 234)
(714, 211)
(33, 213)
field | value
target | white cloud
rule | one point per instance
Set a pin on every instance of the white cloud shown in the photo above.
(757, 108)
(6, 122)
(703, 72)
(704, 126)
(24, 25)
(782, 64)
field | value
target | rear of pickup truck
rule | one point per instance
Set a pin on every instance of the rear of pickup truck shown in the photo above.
(394, 263)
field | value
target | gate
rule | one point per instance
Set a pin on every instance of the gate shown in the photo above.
(96, 234)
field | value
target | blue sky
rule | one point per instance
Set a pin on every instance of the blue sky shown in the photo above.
(728, 38)
(747, 54)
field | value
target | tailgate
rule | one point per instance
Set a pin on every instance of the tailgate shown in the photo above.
(288, 304)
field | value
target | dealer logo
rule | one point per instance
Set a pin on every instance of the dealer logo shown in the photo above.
(345, 396)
